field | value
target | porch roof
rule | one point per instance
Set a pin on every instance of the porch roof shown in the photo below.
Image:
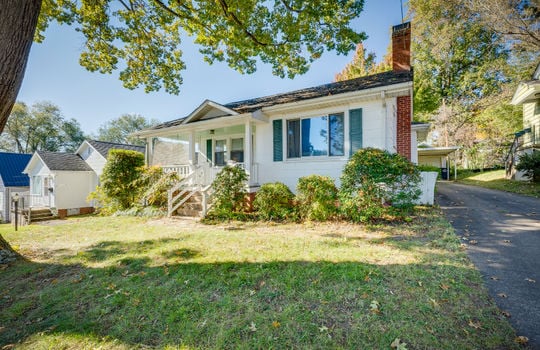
(245, 107)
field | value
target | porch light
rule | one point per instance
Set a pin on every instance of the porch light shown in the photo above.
(16, 197)
(212, 132)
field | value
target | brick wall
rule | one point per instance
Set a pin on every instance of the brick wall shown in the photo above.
(404, 114)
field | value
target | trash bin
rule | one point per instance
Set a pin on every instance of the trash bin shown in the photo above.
(444, 173)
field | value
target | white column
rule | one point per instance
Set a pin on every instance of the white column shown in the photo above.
(248, 146)
(149, 150)
(192, 148)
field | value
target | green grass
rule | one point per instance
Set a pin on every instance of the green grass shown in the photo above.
(496, 180)
(120, 282)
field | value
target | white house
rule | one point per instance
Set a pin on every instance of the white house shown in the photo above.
(526, 140)
(64, 180)
(286, 136)
(12, 180)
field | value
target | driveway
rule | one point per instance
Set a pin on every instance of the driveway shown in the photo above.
(502, 234)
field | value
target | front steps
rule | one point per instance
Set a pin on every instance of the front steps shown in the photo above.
(39, 214)
(192, 207)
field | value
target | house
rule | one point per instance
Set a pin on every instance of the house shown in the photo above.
(12, 180)
(286, 136)
(63, 181)
(526, 140)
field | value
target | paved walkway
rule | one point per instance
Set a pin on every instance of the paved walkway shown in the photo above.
(502, 233)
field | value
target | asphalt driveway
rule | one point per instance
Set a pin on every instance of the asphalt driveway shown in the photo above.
(502, 234)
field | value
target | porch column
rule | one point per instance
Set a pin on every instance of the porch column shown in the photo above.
(248, 144)
(149, 150)
(192, 148)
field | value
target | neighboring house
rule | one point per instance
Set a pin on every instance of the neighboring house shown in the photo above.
(286, 136)
(527, 140)
(64, 180)
(12, 180)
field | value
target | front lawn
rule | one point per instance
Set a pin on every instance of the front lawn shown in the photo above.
(121, 282)
(496, 180)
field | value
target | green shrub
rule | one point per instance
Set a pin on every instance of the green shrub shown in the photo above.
(375, 183)
(275, 201)
(154, 184)
(230, 194)
(119, 189)
(529, 163)
(316, 197)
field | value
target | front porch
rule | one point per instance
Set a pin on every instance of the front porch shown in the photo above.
(197, 156)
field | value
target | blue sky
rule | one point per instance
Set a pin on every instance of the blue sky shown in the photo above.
(53, 74)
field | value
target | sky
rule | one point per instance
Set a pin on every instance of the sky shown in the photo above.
(54, 74)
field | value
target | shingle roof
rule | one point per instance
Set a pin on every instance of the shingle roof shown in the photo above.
(104, 147)
(63, 161)
(340, 87)
(11, 167)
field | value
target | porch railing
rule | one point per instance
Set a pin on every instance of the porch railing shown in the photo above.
(181, 170)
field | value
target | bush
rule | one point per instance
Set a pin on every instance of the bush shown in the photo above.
(230, 194)
(119, 189)
(375, 183)
(316, 197)
(529, 163)
(154, 184)
(275, 201)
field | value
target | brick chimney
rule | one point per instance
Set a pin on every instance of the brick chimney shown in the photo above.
(401, 61)
(401, 47)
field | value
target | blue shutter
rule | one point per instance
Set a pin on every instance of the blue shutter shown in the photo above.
(209, 149)
(278, 140)
(355, 129)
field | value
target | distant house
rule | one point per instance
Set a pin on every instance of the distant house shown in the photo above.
(12, 180)
(286, 136)
(64, 180)
(526, 140)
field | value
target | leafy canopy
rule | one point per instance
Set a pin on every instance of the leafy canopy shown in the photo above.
(143, 37)
(40, 127)
(119, 130)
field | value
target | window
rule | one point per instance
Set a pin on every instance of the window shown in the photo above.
(36, 185)
(237, 150)
(293, 138)
(220, 151)
(317, 136)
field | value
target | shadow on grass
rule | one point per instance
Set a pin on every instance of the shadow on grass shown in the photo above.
(277, 304)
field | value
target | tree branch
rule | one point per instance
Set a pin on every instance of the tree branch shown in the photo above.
(231, 15)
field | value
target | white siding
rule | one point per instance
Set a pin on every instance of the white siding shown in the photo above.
(531, 119)
(378, 124)
(93, 159)
(72, 188)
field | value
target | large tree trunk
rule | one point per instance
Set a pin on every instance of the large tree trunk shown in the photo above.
(18, 21)
(7, 254)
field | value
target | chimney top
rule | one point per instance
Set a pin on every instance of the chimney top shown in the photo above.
(401, 47)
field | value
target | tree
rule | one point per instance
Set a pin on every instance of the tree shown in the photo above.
(517, 21)
(364, 63)
(143, 37)
(41, 127)
(118, 130)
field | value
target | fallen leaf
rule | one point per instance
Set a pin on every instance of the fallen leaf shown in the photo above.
(276, 324)
(367, 278)
(495, 278)
(506, 314)
(323, 328)
(252, 293)
(398, 345)
(502, 295)
(506, 241)
(530, 280)
(444, 286)
(521, 340)
(473, 241)
(252, 327)
(475, 324)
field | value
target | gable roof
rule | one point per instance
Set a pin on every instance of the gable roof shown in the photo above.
(340, 87)
(11, 167)
(63, 161)
(103, 147)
